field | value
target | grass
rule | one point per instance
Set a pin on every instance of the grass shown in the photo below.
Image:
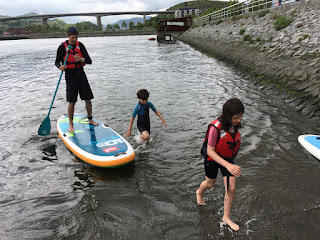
(248, 38)
(263, 13)
(282, 22)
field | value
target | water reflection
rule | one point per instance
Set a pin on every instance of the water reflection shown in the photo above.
(50, 153)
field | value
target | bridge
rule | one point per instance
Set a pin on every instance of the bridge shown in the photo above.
(98, 15)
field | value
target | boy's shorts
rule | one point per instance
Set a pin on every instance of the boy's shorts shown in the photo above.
(211, 169)
(143, 126)
(77, 83)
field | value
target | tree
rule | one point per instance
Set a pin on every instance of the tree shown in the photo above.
(124, 25)
(109, 27)
(154, 24)
(35, 28)
(131, 25)
(139, 25)
(116, 26)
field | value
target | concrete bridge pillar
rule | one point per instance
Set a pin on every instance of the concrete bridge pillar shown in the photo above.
(99, 23)
(45, 23)
(144, 18)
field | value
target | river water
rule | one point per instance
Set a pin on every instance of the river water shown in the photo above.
(48, 193)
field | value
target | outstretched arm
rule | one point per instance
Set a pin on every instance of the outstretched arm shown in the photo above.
(159, 115)
(130, 127)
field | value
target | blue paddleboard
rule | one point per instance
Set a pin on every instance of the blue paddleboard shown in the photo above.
(311, 143)
(97, 145)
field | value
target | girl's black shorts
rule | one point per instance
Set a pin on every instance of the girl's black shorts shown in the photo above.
(211, 169)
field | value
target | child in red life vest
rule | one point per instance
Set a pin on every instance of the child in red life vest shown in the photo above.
(219, 149)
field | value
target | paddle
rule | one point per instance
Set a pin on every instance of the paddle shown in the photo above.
(45, 126)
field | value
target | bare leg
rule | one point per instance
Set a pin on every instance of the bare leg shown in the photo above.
(70, 114)
(89, 112)
(145, 136)
(206, 184)
(228, 200)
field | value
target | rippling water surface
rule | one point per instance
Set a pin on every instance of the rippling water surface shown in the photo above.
(48, 193)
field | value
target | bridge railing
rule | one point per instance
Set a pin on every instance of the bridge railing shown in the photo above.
(239, 9)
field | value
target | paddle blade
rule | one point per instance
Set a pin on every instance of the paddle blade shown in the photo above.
(45, 127)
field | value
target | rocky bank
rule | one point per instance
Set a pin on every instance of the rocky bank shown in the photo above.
(286, 61)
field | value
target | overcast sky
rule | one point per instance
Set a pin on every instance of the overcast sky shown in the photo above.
(21, 7)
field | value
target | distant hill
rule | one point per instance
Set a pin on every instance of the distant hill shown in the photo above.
(134, 20)
(203, 5)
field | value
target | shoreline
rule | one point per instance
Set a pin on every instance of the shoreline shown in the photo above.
(83, 34)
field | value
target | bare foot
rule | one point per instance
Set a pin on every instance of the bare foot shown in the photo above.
(71, 130)
(232, 225)
(200, 199)
(93, 122)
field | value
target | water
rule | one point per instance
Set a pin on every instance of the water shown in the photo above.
(47, 193)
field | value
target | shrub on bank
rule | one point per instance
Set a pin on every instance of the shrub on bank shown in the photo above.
(262, 13)
(282, 22)
(242, 31)
(248, 38)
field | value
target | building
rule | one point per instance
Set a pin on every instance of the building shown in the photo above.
(16, 32)
(183, 12)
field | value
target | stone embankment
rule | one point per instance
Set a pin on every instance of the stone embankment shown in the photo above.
(287, 60)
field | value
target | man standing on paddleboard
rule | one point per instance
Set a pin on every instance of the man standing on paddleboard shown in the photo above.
(76, 79)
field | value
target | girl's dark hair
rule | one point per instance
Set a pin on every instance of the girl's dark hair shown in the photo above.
(232, 107)
(72, 31)
(143, 94)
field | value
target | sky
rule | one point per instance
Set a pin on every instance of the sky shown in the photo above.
(21, 7)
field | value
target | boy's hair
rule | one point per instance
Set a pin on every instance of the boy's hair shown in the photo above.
(232, 107)
(143, 94)
(72, 31)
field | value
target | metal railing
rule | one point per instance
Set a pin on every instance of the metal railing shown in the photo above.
(239, 9)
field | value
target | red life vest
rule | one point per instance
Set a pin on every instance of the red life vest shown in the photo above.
(71, 63)
(227, 145)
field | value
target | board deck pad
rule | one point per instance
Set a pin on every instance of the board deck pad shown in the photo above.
(314, 140)
(99, 143)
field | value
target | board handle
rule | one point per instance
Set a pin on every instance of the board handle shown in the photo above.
(120, 153)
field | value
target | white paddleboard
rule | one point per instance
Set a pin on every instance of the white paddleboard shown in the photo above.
(311, 143)
(97, 145)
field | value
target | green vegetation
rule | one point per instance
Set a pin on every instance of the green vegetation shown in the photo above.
(206, 7)
(282, 22)
(242, 31)
(219, 21)
(248, 38)
(293, 12)
(263, 13)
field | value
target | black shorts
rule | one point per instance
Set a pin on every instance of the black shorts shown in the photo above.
(211, 169)
(77, 83)
(143, 126)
